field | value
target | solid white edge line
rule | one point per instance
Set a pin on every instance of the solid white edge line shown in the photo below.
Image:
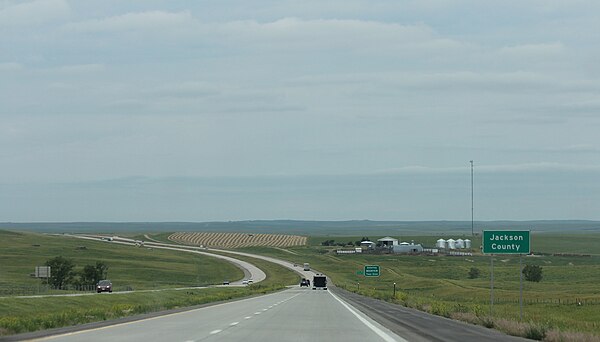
(375, 329)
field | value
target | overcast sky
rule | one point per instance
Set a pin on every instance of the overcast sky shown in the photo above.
(230, 110)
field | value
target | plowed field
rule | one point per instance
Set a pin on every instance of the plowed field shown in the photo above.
(236, 240)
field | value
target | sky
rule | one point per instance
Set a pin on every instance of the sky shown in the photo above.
(238, 110)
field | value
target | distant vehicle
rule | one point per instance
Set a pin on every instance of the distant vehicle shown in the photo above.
(250, 281)
(304, 282)
(107, 238)
(319, 282)
(306, 266)
(104, 286)
(225, 282)
(245, 282)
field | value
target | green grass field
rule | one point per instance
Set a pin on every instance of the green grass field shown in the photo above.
(127, 263)
(132, 267)
(440, 284)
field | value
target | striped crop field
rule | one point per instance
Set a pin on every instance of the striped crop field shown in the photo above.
(236, 240)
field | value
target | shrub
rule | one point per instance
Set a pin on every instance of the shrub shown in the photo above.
(440, 309)
(478, 310)
(532, 273)
(401, 296)
(535, 332)
(61, 271)
(474, 273)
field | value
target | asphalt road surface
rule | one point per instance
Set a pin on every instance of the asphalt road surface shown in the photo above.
(297, 314)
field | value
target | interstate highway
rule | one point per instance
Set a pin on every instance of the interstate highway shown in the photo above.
(296, 314)
(300, 315)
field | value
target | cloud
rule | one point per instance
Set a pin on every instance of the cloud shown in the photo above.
(360, 35)
(532, 50)
(10, 66)
(34, 13)
(151, 20)
(455, 80)
(77, 68)
(189, 89)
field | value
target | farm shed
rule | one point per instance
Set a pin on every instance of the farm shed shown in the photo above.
(388, 241)
(406, 248)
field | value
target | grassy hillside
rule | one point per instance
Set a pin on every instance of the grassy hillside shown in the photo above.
(137, 268)
(142, 268)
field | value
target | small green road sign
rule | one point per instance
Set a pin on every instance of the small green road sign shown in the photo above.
(359, 273)
(506, 242)
(371, 270)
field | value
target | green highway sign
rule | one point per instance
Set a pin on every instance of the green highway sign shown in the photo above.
(371, 270)
(506, 242)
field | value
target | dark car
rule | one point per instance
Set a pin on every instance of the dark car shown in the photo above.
(104, 286)
(304, 282)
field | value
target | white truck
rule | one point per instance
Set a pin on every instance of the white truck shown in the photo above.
(306, 266)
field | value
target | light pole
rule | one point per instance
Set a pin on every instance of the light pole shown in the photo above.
(472, 231)
(394, 290)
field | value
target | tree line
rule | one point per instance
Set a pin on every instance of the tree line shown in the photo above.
(62, 273)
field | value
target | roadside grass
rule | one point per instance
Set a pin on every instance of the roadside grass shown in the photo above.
(131, 267)
(19, 315)
(440, 284)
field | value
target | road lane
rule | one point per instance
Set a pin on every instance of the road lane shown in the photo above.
(297, 314)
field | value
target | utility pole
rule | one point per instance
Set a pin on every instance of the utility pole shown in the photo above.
(472, 230)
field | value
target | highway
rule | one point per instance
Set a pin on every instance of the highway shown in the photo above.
(296, 314)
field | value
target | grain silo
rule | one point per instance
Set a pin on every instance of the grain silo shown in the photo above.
(467, 243)
(460, 243)
(451, 243)
(441, 243)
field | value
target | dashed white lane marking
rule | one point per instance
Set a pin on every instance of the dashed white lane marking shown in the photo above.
(257, 313)
(215, 331)
(247, 317)
(265, 309)
(233, 324)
